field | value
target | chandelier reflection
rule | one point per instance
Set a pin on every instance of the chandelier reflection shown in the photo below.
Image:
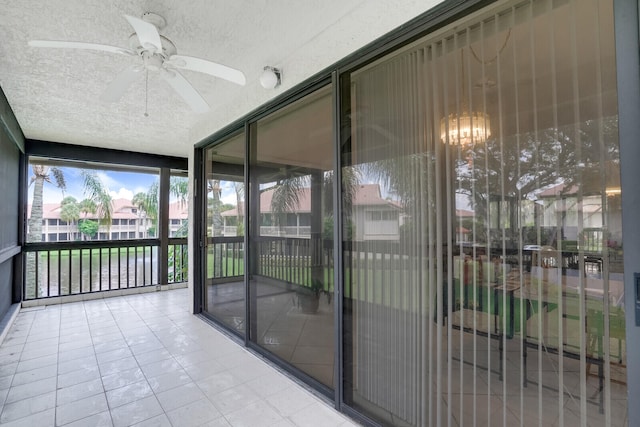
(466, 128)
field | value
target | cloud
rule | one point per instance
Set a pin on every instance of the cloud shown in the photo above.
(229, 198)
(108, 181)
(140, 190)
(123, 193)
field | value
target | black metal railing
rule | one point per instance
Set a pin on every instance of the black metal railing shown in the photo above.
(55, 269)
(178, 260)
(225, 257)
(282, 258)
(293, 259)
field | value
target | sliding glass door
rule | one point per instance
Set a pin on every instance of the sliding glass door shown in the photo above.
(483, 279)
(224, 289)
(291, 236)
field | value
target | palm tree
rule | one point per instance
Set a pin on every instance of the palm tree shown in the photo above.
(179, 187)
(41, 174)
(239, 188)
(286, 193)
(140, 201)
(286, 198)
(151, 206)
(147, 203)
(95, 191)
(87, 207)
(214, 212)
(69, 212)
(215, 206)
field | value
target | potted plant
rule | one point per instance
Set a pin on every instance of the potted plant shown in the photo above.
(308, 297)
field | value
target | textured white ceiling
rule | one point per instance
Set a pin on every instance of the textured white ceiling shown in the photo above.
(54, 92)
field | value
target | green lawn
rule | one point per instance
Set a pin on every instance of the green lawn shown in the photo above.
(95, 252)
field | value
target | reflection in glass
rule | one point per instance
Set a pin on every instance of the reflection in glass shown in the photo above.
(291, 235)
(224, 219)
(486, 286)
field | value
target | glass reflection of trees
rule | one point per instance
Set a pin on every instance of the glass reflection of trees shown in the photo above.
(515, 169)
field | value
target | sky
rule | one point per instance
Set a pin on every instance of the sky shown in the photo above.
(120, 184)
(228, 195)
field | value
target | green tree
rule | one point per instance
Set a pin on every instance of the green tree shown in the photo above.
(140, 201)
(287, 191)
(96, 192)
(89, 227)
(178, 255)
(69, 212)
(151, 207)
(179, 187)
(147, 203)
(87, 207)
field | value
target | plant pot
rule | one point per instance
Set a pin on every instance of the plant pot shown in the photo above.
(308, 302)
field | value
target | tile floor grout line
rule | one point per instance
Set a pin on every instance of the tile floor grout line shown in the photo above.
(95, 355)
(55, 406)
(4, 404)
(143, 373)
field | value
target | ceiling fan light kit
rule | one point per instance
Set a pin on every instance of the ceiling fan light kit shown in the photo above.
(158, 54)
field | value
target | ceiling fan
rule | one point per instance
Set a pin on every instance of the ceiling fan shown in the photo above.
(158, 54)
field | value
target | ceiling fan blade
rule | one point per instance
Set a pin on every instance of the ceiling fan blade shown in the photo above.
(121, 83)
(185, 90)
(208, 67)
(79, 45)
(147, 33)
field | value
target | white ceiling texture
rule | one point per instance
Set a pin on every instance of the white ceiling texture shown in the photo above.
(55, 93)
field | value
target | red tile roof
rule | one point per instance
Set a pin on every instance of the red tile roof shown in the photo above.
(366, 195)
(465, 213)
(121, 209)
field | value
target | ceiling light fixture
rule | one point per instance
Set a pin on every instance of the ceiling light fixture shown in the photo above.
(465, 128)
(613, 191)
(468, 127)
(271, 77)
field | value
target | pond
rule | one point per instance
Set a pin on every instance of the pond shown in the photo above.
(67, 272)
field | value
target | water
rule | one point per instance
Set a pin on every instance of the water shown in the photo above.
(97, 272)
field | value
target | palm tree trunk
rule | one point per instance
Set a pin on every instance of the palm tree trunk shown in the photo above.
(35, 220)
(34, 235)
(317, 268)
(217, 229)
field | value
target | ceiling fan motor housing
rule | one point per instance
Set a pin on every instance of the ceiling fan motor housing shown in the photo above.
(168, 48)
(153, 18)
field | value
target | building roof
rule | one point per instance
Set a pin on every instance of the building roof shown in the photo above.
(178, 210)
(366, 195)
(121, 209)
(558, 190)
(465, 213)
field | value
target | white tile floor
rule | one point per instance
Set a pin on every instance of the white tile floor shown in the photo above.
(142, 360)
